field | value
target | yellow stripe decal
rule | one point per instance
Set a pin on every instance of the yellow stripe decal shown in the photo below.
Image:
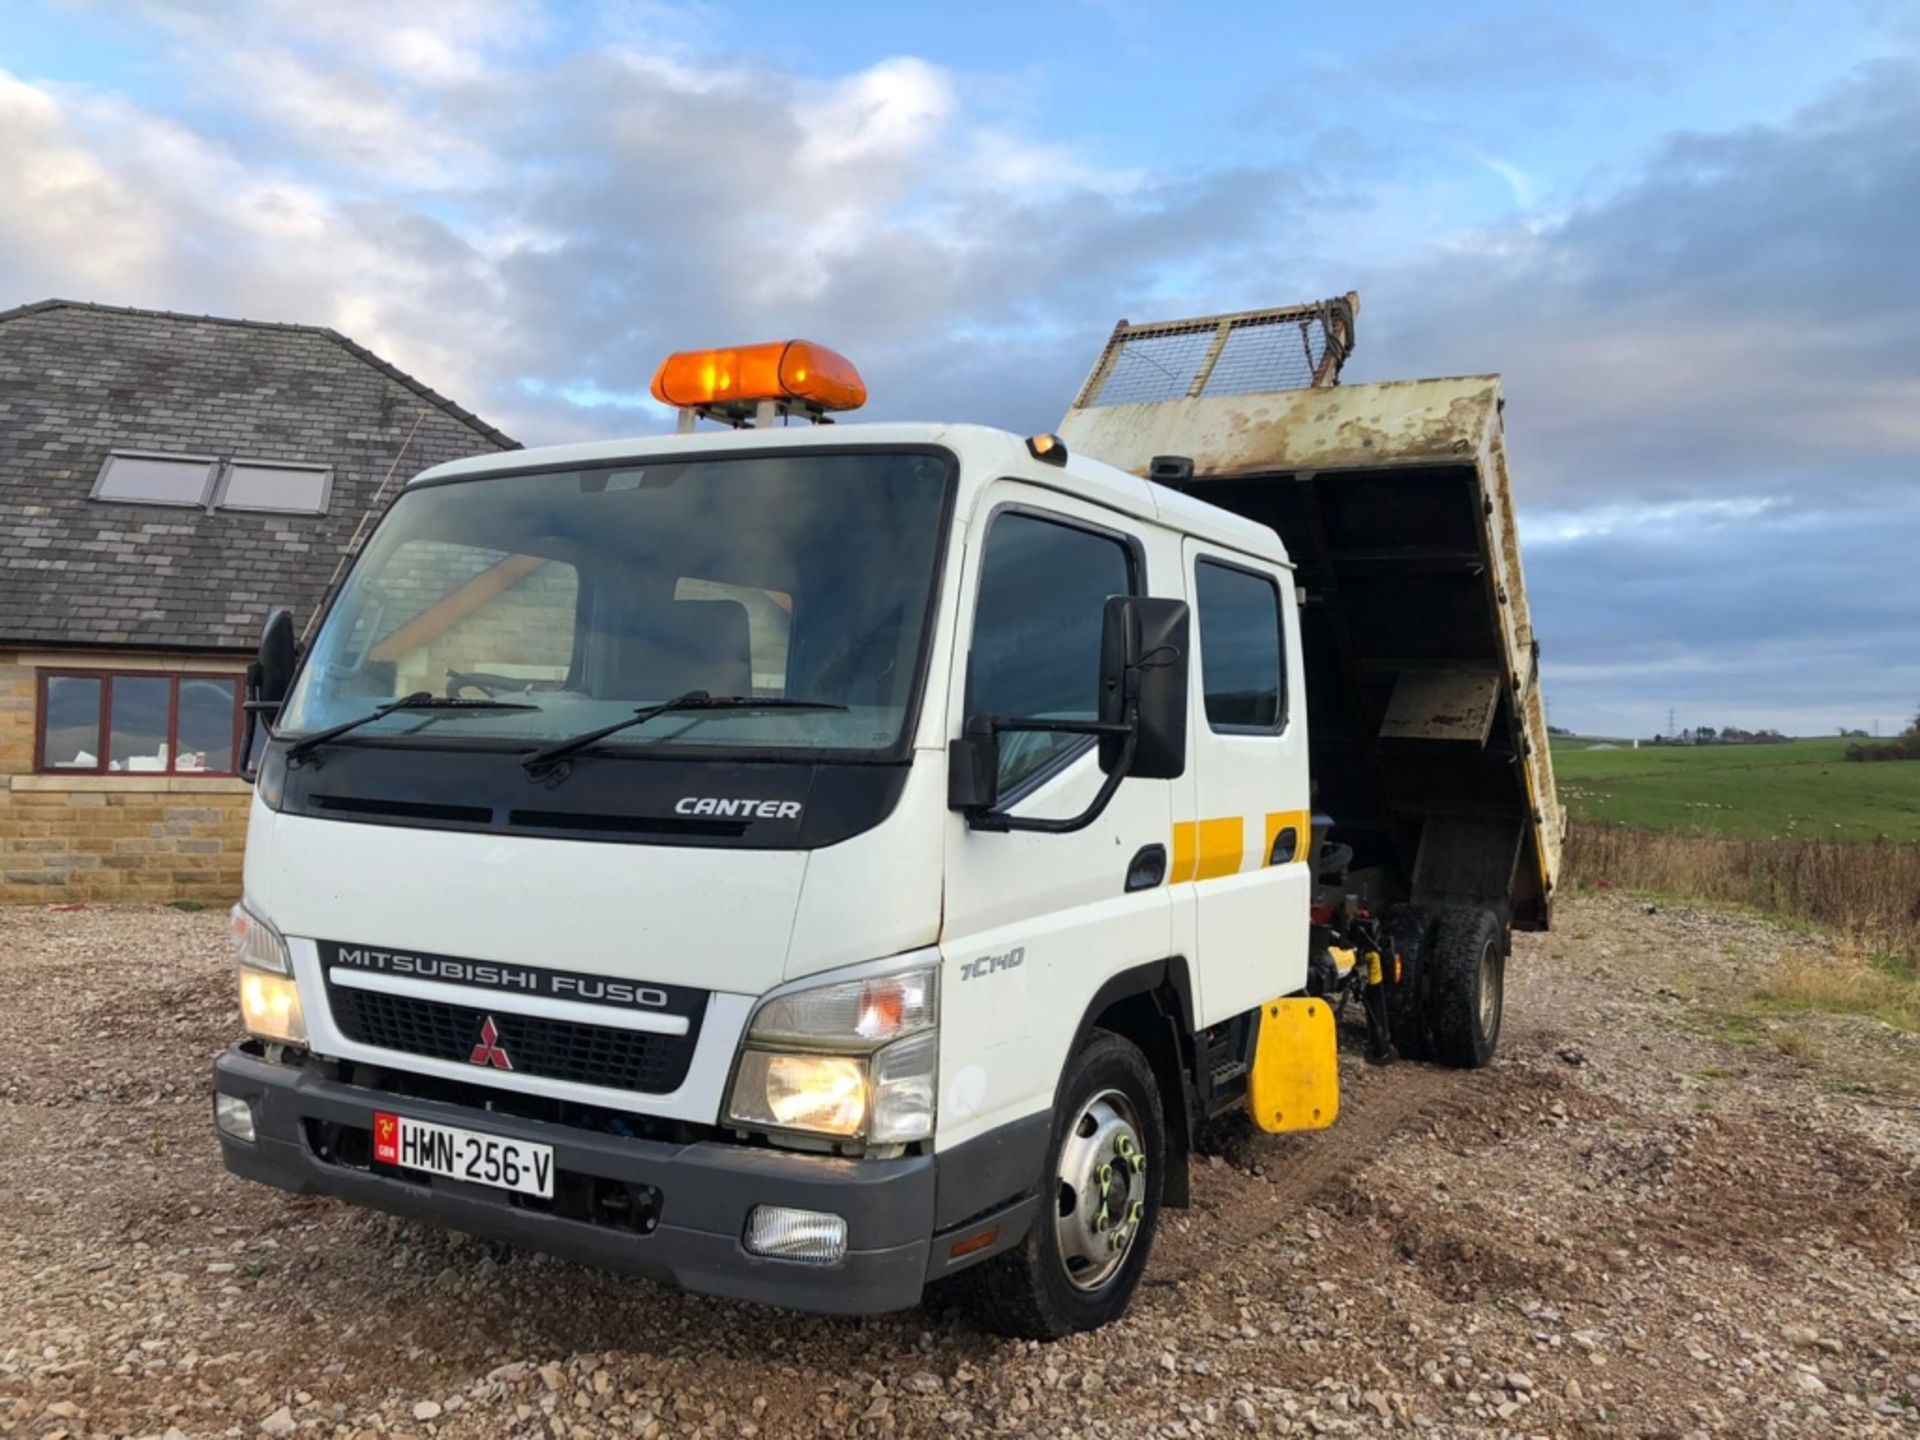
(1223, 843)
(1208, 849)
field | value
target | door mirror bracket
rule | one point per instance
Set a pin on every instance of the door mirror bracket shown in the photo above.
(973, 781)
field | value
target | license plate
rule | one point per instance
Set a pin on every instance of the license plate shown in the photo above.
(517, 1165)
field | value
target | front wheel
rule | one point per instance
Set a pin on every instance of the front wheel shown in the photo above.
(1080, 1262)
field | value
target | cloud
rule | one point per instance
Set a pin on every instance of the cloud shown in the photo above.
(1517, 181)
(883, 115)
(356, 122)
(1515, 50)
(1739, 318)
(1785, 617)
(1714, 414)
(68, 219)
(488, 207)
(1715, 347)
(114, 203)
(443, 42)
(1551, 529)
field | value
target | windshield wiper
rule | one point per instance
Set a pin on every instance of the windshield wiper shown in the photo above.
(546, 757)
(419, 700)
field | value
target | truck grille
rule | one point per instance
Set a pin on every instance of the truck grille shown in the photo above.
(602, 1055)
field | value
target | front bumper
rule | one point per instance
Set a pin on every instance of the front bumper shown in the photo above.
(705, 1192)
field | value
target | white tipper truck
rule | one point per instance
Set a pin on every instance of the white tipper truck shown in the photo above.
(806, 862)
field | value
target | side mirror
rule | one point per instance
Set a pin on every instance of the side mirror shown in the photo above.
(1142, 725)
(269, 678)
(1143, 671)
(276, 656)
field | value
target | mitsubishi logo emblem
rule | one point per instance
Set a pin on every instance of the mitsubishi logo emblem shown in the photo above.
(488, 1051)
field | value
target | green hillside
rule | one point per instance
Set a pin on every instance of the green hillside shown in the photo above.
(1804, 789)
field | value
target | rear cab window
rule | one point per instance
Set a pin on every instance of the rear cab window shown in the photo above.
(1242, 651)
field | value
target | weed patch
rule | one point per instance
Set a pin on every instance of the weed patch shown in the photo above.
(1885, 990)
(1870, 893)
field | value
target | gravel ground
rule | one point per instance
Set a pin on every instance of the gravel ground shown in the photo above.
(1641, 1221)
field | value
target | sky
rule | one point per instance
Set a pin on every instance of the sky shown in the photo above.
(1687, 234)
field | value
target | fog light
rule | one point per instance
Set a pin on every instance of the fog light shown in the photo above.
(808, 1235)
(234, 1116)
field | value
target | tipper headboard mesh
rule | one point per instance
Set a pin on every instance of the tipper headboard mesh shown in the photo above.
(1294, 347)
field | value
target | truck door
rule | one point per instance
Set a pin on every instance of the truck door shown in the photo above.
(1240, 844)
(1034, 923)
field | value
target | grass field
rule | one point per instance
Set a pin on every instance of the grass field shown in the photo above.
(1803, 790)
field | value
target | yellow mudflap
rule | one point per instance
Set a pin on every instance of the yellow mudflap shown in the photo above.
(1295, 1083)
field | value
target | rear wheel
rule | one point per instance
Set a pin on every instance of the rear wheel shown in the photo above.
(1466, 987)
(1407, 1019)
(1080, 1262)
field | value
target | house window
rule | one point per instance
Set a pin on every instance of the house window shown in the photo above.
(142, 722)
(281, 488)
(147, 479)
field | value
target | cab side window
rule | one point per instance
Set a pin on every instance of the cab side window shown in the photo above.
(1242, 664)
(1044, 585)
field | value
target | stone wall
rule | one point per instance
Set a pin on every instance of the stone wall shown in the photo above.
(66, 838)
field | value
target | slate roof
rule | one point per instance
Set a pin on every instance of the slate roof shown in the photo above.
(80, 380)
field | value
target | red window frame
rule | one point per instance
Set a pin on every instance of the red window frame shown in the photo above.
(106, 678)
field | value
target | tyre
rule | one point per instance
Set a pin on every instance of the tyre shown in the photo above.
(1466, 965)
(1083, 1257)
(1407, 1019)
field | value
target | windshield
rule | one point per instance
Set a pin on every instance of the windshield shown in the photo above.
(582, 595)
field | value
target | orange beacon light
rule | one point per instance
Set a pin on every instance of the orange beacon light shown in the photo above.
(796, 372)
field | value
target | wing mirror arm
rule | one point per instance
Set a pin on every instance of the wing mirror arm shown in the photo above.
(973, 763)
(1142, 729)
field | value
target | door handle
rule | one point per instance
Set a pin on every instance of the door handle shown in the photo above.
(1286, 845)
(1147, 868)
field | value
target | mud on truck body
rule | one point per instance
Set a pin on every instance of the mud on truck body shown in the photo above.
(809, 863)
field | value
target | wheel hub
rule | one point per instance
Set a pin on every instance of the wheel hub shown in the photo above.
(1101, 1189)
(1489, 991)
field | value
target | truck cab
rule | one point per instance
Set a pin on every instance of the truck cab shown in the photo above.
(800, 862)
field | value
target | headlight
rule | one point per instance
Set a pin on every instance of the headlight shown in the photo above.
(269, 999)
(825, 1093)
(270, 1007)
(853, 1060)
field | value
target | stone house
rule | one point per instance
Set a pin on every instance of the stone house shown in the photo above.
(165, 480)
